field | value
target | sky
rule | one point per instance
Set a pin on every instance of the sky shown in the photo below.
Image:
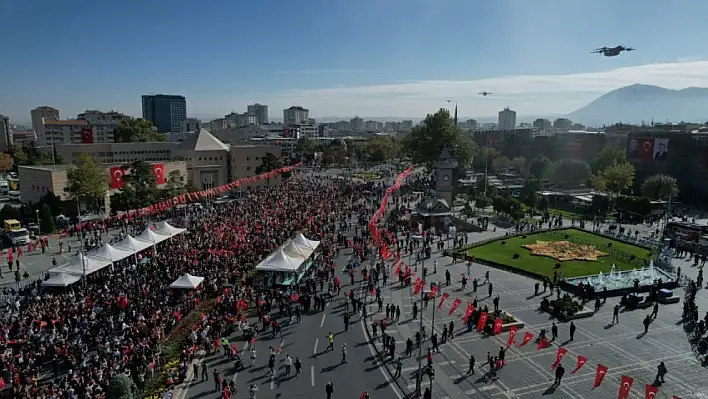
(374, 58)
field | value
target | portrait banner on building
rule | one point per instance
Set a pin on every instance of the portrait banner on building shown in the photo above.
(633, 149)
(87, 136)
(661, 149)
(647, 149)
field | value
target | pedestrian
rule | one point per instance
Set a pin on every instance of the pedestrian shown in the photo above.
(329, 389)
(554, 331)
(471, 362)
(298, 365)
(491, 289)
(559, 374)
(399, 368)
(572, 330)
(253, 356)
(346, 322)
(288, 364)
(496, 303)
(661, 372)
(330, 338)
(655, 311)
(344, 353)
(217, 381)
(615, 314)
(252, 390)
(205, 372)
(647, 321)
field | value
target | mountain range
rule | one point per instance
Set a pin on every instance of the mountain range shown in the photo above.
(642, 103)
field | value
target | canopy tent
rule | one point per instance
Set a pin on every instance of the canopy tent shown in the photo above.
(112, 253)
(295, 251)
(81, 264)
(61, 280)
(187, 282)
(131, 244)
(302, 241)
(151, 237)
(165, 228)
(280, 262)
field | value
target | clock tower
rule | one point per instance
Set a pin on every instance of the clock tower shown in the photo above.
(444, 168)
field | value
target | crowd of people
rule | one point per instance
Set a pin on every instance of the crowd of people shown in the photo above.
(69, 343)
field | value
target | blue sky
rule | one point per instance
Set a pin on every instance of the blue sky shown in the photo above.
(340, 58)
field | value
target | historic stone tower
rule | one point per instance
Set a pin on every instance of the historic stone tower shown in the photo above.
(444, 185)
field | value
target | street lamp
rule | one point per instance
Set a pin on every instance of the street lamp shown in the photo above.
(39, 228)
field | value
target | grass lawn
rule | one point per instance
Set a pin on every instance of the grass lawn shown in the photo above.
(503, 254)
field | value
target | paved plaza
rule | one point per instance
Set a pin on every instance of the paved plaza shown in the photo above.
(621, 346)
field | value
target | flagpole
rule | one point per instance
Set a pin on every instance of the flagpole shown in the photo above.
(432, 327)
(419, 376)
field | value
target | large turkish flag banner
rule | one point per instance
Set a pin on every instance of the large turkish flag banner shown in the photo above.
(117, 181)
(650, 391)
(158, 170)
(599, 375)
(87, 136)
(625, 387)
(647, 149)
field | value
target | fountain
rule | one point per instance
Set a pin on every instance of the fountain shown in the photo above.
(621, 280)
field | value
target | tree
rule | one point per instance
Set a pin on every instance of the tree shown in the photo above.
(19, 156)
(121, 387)
(519, 164)
(269, 163)
(543, 203)
(46, 219)
(135, 130)
(528, 195)
(568, 172)
(380, 149)
(140, 188)
(606, 157)
(53, 202)
(426, 141)
(538, 166)
(6, 162)
(500, 164)
(660, 187)
(483, 160)
(615, 178)
(174, 185)
(305, 145)
(88, 181)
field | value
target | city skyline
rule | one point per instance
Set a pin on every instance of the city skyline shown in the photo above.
(365, 62)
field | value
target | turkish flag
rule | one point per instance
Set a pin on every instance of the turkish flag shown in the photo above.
(2, 383)
(398, 270)
(455, 304)
(87, 136)
(600, 373)
(418, 285)
(512, 335)
(468, 312)
(650, 391)
(647, 149)
(559, 356)
(625, 387)
(581, 362)
(497, 325)
(117, 173)
(444, 296)
(158, 169)
(433, 292)
(482, 321)
(543, 344)
(527, 339)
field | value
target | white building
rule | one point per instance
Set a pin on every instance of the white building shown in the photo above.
(244, 119)
(507, 119)
(307, 130)
(260, 112)
(77, 131)
(356, 123)
(40, 114)
(296, 115)
(191, 125)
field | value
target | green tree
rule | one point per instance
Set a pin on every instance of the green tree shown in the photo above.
(121, 387)
(174, 185)
(380, 149)
(528, 194)
(19, 156)
(606, 157)
(538, 166)
(660, 187)
(269, 162)
(615, 178)
(427, 140)
(88, 181)
(305, 145)
(134, 130)
(568, 172)
(501, 164)
(543, 203)
(484, 158)
(519, 164)
(46, 219)
(53, 202)
(140, 188)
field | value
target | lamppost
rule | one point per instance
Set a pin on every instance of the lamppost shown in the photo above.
(418, 238)
(39, 228)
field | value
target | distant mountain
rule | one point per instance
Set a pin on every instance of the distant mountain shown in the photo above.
(637, 103)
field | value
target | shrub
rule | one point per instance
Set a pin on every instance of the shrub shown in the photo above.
(515, 256)
(503, 242)
(121, 387)
(568, 304)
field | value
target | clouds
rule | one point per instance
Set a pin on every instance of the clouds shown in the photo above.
(527, 94)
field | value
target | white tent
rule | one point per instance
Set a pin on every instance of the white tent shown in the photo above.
(187, 282)
(112, 253)
(280, 262)
(302, 241)
(61, 280)
(131, 244)
(151, 237)
(165, 228)
(81, 264)
(295, 251)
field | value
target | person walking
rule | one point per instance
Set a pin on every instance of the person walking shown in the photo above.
(298, 366)
(288, 364)
(471, 362)
(655, 311)
(647, 321)
(329, 389)
(330, 338)
(344, 353)
(399, 368)
(661, 372)
(572, 330)
(616, 314)
(554, 331)
(559, 374)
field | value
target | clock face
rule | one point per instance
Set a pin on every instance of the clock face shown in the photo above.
(446, 177)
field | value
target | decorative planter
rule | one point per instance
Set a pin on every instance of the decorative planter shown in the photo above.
(518, 324)
(668, 300)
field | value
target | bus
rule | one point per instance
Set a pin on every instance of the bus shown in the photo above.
(685, 235)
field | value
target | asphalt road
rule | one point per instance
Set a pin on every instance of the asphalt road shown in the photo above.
(308, 341)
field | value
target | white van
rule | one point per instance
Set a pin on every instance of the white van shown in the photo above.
(14, 196)
(19, 236)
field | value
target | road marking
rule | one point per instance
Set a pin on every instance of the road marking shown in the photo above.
(314, 351)
(323, 319)
(312, 375)
(235, 377)
(391, 384)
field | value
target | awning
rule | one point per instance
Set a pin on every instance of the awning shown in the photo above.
(61, 280)
(165, 228)
(295, 251)
(187, 282)
(302, 241)
(81, 264)
(131, 244)
(151, 237)
(112, 253)
(279, 261)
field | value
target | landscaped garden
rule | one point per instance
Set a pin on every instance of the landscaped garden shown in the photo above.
(577, 252)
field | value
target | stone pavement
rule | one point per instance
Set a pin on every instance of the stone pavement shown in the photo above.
(621, 346)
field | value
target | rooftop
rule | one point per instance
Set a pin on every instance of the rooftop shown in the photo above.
(65, 122)
(297, 108)
(203, 141)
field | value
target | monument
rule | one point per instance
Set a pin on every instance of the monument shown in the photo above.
(444, 182)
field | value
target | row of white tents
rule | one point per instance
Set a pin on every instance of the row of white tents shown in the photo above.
(289, 257)
(85, 264)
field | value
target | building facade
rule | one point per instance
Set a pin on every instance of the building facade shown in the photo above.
(260, 112)
(507, 119)
(6, 139)
(296, 115)
(191, 125)
(24, 137)
(39, 115)
(77, 131)
(166, 112)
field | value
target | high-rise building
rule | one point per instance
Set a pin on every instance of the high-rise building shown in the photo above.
(260, 111)
(166, 112)
(562, 124)
(5, 133)
(542, 124)
(296, 115)
(356, 123)
(507, 119)
(191, 125)
(39, 115)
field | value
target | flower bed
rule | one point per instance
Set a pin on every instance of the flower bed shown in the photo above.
(566, 308)
(508, 320)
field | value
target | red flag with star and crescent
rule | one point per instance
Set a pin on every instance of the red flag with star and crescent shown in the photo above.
(581, 362)
(512, 335)
(559, 356)
(600, 373)
(625, 387)
(158, 169)
(650, 391)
